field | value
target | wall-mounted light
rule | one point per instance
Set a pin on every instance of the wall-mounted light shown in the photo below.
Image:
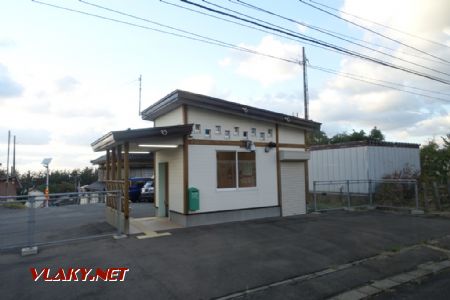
(158, 146)
(249, 145)
(269, 146)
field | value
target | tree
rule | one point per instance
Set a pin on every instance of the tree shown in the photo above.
(376, 135)
(435, 161)
(318, 137)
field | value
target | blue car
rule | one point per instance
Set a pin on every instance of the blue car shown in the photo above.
(136, 184)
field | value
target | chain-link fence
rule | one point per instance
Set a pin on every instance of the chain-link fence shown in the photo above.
(36, 219)
(389, 193)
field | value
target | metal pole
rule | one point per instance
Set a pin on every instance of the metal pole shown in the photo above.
(7, 164)
(314, 196)
(119, 210)
(416, 194)
(120, 234)
(31, 221)
(305, 84)
(47, 192)
(348, 193)
(13, 169)
(370, 193)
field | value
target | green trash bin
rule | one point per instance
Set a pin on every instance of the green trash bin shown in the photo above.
(194, 199)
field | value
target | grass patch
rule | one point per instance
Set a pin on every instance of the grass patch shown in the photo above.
(14, 205)
(395, 248)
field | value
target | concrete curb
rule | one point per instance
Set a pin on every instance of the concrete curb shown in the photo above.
(386, 284)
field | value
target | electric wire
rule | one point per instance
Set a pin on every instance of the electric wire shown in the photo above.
(381, 25)
(334, 35)
(372, 31)
(199, 38)
(328, 45)
(238, 48)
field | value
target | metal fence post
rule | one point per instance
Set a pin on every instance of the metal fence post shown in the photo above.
(348, 194)
(119, 234)
(314, 196)
(370, 193)
(31, 222)
(416, 194)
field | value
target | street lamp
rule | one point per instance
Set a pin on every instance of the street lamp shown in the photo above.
(45, 162)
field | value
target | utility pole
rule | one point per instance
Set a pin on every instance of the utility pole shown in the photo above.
(13, 170)
(305, 85)
(140, 92)
(7, 163)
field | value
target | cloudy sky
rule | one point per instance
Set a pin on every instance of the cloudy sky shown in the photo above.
(66, 78)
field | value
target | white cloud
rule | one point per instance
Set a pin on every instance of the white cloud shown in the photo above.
(8, 87)
(201, 84)
(345, 104)
(268, 70)
(66, 84)
(225, 62)
(302, 28)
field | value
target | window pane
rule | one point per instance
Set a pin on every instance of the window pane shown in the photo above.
(247, 169)
(226, 169)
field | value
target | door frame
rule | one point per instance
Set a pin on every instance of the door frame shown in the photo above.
(163, 189)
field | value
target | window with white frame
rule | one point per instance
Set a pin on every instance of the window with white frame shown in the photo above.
(227, 134)
(207, 132)
(262, 136)
(236, 131)
(218, 129)
(236, 169)
(245, 134)
(269, 132)
(253, 131)
(197, 128)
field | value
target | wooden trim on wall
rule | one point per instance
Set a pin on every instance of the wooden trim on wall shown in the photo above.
(185, 162)
(285, 145)
(108, 165)
(185, 174)
(214, 142)
(126, 175)
(277, 138)
(306, 171)
(113, 163)
(184, 110)
(241, 143)
(119, 162)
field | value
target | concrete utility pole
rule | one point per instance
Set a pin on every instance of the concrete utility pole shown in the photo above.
(13, 170)
(140, 92)
(7, 163)
(305, 85)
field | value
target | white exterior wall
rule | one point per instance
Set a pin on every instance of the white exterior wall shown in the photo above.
(386, 160)
(289, 135)
(174, 158)
(174, 117)
(203, 175)
(209, 119)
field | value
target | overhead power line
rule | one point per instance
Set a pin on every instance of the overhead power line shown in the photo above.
(381, 25)
(377, 82)
(334, 35)
(195, 37)
(371, 30)
(250, 51)
(348, 36)
(316, 41)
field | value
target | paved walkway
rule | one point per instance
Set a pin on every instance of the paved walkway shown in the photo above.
(303, 257)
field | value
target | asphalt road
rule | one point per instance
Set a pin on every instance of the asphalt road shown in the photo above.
(218, 260)
(60, 222)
